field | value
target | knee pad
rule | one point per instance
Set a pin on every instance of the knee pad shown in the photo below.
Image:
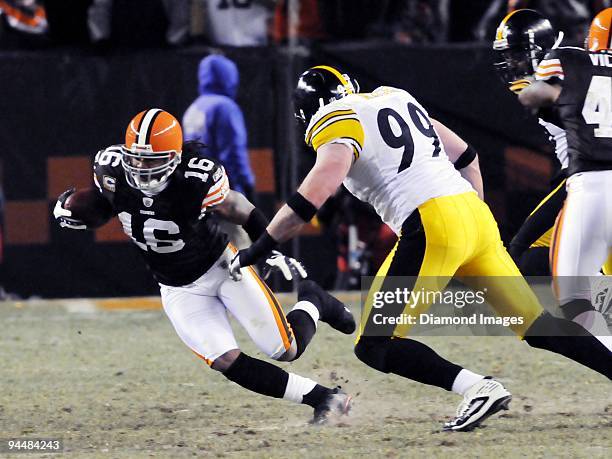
(372, 350)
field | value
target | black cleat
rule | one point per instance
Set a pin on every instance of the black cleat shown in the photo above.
(332, 311)
(337, 403)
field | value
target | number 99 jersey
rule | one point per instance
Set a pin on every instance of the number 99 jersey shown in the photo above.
(171, 229)
(584, 105)
(399, 161)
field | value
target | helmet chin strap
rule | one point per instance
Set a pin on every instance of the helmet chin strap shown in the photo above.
(558, 40)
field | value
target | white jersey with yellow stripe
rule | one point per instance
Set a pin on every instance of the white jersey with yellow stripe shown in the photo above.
(399, 161)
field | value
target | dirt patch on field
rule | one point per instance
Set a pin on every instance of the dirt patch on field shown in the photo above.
(121, 384)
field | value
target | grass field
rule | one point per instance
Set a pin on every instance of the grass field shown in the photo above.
(116, 383)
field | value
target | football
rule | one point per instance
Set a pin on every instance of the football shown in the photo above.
(89, 206)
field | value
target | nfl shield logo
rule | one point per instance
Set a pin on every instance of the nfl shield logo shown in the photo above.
(148, 202)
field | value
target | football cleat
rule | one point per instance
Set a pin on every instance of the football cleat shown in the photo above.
(482, 400)
(337, 403)
(332, 311)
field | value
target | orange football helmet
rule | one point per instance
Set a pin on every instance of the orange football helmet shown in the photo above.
(152, 149)
(599, 32)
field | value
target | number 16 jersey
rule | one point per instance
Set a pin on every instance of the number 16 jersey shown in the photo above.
(399, 161)
(584, 105)
(171, 229)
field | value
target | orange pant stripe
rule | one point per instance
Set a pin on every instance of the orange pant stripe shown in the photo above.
(208, 361)
(277, 310)
(554, 249)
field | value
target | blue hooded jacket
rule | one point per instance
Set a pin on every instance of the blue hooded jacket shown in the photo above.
(215, 119)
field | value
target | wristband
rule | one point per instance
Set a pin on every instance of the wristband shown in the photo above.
(466, 158)
(302, 207)
(256, 224)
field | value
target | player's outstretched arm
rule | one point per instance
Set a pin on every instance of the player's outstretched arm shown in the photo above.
(330, 169)
(237, 209)
(462, 155)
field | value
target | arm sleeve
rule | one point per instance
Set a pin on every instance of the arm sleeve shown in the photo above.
(232, 145)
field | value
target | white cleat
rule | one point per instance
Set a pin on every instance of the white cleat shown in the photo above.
(482, 400)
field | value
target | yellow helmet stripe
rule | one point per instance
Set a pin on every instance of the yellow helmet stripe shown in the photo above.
(337, 75)
(502, 24)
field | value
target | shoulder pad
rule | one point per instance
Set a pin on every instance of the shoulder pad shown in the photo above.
(107, 168)
(384, 90)
(337, 121)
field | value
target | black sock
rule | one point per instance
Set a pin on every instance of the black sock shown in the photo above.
(408, 358)
(575, 308)
(571, 340)
(316, 396)
(303, 328)
(258, 376)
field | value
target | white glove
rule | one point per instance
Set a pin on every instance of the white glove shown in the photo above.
(288, 266)
(64, 216)
(234, 268)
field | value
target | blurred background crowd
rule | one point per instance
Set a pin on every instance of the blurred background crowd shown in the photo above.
(222, 67)
(153, 23)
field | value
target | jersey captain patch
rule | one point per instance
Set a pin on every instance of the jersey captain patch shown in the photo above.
(335, 122)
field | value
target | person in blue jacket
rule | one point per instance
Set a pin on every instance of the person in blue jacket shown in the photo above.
(215, 119)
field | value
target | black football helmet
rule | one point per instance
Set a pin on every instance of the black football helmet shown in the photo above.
(318, 86)
(522, 40)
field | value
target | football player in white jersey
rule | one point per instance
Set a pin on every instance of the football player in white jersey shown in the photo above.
(387, 151)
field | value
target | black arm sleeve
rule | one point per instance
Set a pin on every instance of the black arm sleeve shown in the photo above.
(256, 224)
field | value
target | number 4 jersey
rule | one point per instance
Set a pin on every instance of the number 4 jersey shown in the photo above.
(399, 161)
(172, 230)
(584, 105)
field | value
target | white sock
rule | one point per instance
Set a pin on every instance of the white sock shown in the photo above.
(595, 323)
(309, 309)
(464, 380)
(297, 387)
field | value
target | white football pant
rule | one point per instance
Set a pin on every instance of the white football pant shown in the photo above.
(198, 312)
(582, 239)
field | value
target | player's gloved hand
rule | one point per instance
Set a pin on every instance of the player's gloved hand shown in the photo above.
(518, 85)
(64, 216)
(247, 257)
(235, 267)
(289, 267)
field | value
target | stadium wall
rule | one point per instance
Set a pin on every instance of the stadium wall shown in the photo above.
(59, 107)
